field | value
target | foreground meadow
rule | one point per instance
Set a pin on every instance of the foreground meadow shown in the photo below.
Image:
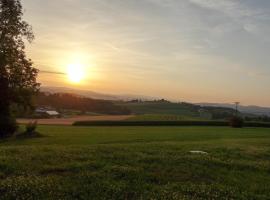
(137, 163)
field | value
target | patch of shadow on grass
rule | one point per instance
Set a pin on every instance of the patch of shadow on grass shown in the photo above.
(60, 171)
(127, 141)
(23, 136)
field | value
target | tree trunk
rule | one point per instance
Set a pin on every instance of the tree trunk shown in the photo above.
(5, 118)
(7, 123)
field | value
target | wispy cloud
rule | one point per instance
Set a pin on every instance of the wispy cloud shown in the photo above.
(207, 43)
(51, 72)
(233, 8)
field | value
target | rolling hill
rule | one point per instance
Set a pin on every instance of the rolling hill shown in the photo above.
(163, 107)
(96, 95)
(139, 104)
(256, 110)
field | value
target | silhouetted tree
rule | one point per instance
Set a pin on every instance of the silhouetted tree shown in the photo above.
(17, 76)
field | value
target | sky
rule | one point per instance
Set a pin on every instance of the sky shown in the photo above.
(182, 50)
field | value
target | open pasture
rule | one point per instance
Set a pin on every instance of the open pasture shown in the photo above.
(137, 163)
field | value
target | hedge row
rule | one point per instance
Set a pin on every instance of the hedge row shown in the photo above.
(166, 123)
(151, 123)
(257, 124)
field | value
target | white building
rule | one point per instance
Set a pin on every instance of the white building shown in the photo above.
(42, 112)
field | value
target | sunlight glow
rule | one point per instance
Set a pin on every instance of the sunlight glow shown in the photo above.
(75, 72)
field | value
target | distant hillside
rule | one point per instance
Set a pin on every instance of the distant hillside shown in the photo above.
(149, 105)
(95, 95)
(256, 110)
(181, 109)
(161, 107)
(61, 101)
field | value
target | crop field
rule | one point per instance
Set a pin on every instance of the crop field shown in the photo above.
(137, 163)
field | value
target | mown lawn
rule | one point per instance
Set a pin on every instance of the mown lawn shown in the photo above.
(137, 163)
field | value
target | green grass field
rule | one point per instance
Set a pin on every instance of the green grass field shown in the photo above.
(163, 108)
(137, 163)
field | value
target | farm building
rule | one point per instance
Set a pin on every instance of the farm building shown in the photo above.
(45, 113)
(205, 114)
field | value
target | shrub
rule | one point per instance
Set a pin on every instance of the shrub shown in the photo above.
(31, 127)
(257, 124)
(30, 130)
(236, 122)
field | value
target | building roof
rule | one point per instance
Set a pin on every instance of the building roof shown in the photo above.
(52, 112)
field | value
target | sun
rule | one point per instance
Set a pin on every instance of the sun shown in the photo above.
(75, 72)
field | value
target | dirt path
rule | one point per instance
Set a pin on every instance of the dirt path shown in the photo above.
(70, 121)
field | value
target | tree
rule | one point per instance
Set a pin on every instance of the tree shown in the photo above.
(17, 76)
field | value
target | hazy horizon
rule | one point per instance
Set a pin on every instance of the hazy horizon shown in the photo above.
(191, 50)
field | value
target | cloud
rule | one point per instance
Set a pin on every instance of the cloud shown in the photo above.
(240, 13)
(51, 72)
(217, 5)
(232, 8)
(197, 40)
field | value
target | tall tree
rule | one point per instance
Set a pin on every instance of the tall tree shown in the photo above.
(17, 76)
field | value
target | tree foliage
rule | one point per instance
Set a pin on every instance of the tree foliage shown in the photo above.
(62, 101)
(17, 76)
(236, 122)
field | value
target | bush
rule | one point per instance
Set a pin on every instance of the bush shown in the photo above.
(257, 124)
(236, 122)
(31, 127)
(30, 130)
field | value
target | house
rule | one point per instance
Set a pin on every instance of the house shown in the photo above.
(46, 113)
(52, 113)
(205, 114)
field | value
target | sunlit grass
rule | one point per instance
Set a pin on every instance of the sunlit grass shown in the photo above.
(137, 163)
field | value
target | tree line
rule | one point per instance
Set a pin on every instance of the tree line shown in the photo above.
(62, 101)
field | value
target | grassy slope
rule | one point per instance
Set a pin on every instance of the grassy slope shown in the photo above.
(161, 108)
(137, 162)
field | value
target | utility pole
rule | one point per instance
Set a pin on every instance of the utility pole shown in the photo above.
(236, 107)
